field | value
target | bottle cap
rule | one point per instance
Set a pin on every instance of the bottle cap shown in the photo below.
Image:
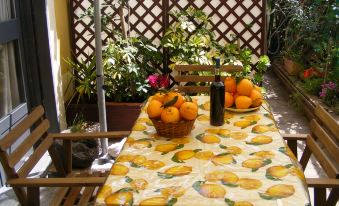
(217, 62)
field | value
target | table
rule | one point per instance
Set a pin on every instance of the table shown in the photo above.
(244, 162)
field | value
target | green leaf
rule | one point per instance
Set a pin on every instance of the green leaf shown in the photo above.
(222, 146)
(234, 161)
(229, 202)
(128, 179)
(171, 102)
(197, 185)
(252, 153)
(171, 202)
(289, 165)
(222, 154)
(267, 162)
(254, 169)
(180, 146)
(175, 159)
(200, 136)
(165, 176)
(229, 184)
(282, 149)
(130, 202)
(253, 143)
(188, 98)
(163, 153)
(126, 189)
(197, 150)
(270, 124)
(158, 190)
(267, 197)
(134, 165)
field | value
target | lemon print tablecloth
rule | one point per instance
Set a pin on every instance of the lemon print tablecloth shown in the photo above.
(244, 162)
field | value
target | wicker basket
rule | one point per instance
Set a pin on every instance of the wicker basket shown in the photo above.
(173, 130)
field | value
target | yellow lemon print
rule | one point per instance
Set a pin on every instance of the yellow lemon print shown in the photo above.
(130, 140)
(104, 192)
(140, 144)
(175, 171)
(216, 175)
(228, 116)
(208, 139)
(278, 191)
(230, 179)
(249, 184)
(260, 140)
(264, 128)
(203, 118)
(204, 155)
(224, 132)
(255, 164)
(263, 154)
(287, 151)
(183, 155)
(276, 172)
(209, 190)
(212, 130)
(119, 169)
(238, 135)
(181, 140)
(139, 127)
(165, 148)
(153, 164)
(139, 184)
(145, 120)
(206, 106)
(297, 172)
(154, 201)
(252, 117)
(138, 160)
(223, 159)
(243, 123)
(237, 203)
(173, 191)
(119, 198)
(125, 158)
(233, 150)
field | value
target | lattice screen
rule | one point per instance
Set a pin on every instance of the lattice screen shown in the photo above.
(245, 19)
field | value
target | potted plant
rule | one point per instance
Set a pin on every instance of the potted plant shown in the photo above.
(127, 64)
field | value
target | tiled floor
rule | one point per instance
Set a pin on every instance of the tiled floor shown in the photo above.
(288, 121)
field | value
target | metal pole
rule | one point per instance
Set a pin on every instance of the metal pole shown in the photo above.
(100, 75)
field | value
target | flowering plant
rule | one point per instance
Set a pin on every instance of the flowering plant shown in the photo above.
(157, 81)
(312, 72)
(328, 93)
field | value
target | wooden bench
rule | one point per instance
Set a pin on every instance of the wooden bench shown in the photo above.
(75, 188)
(323, 143)
(188, 73)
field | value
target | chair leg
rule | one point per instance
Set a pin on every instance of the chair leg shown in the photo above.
(293, 146)
(33, 196)
(305, 157)
(21, 194)
(319, 196)
(333, 197)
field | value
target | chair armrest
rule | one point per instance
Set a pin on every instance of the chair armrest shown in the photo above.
(294, 137)
(90, 135)
(56, 182)
(322, 182)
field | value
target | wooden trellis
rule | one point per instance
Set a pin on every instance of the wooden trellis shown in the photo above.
(150, 18)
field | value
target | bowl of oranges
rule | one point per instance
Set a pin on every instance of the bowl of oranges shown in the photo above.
(243, 96)
(172, 113)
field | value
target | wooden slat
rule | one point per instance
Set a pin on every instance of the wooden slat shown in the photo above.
(319, 196)
(194, 89)
(86, 196)
(23, 126)
(35, 157)
(325, 139)
(322, 182)
(328, 120)
(196, 78)
(28, 143)
(333, 197)
(34, 196)
(323, 160)
(305, 157)
(223, 68)
(57, 161)
(57, 182)
(67, 145)
(72, 196)
(293, 146)
(59, 196)
(91, 135)
(301, 137)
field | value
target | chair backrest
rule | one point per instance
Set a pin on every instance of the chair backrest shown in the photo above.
(38, 139)
(324, 141)
(188, 73)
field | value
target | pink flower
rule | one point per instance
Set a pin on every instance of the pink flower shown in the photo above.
(163, 81)
(153, 81)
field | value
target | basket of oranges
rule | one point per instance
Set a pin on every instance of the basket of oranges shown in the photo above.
(172, 113)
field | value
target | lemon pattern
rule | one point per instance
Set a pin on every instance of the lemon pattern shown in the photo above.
(245, 162)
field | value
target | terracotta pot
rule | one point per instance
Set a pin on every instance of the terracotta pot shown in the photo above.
(292, 67)
(120, 116)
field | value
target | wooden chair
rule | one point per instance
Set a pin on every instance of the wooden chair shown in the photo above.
(323, 143)
(74, 188)
(185, 76)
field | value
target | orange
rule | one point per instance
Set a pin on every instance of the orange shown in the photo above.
(159, 96)
(243, 102)
(170, 95)
(235, 95)
(245, 87)
(189, 110)
(170, 115)
(229, 100)
(256, 98)
(257, 88)
(154, 109)
(230, 85)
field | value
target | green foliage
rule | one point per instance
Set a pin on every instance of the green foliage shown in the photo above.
(312, 85)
